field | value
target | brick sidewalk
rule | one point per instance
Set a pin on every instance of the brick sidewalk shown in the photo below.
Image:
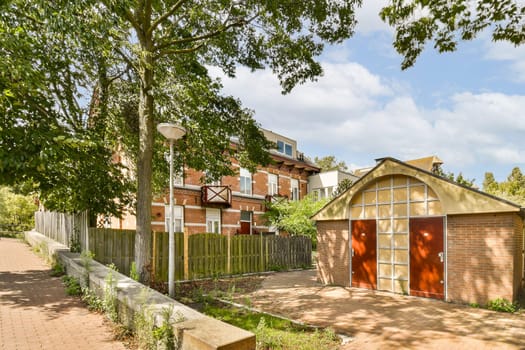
(36, 313)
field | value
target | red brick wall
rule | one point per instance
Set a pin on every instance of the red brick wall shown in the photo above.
(518, 256)
(333, 259)
(481, 257)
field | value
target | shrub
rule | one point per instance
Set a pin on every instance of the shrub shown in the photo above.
(72, 285)
(502, 305)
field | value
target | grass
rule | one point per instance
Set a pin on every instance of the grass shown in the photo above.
(273, 332)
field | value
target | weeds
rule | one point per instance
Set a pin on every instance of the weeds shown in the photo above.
(502, 305)
(133, 273)
(57, 270)
(72, 285)
(74, 240)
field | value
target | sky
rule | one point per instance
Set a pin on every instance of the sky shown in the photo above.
(465, 107)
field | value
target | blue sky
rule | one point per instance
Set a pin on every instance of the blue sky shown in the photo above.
(465, 107)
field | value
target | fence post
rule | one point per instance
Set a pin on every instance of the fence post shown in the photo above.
(154, 255)
(186, 254)
(261, 253)
(229, 256)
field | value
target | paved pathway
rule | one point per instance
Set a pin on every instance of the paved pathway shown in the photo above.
(36, 313)
(378, 320)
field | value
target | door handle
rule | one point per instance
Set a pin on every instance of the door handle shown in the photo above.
(353, 252)
(441, 256)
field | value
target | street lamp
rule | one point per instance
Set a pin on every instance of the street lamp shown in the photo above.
(172, 132)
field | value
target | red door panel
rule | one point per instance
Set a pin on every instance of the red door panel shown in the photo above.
(426, 258)
(364, 257)
(245, 228)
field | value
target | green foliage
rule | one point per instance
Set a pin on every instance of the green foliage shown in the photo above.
(274, 332)
(502, 305)
(133, 274)
(140, 63)
(458, 179)
(418, 22)
(342, 187)
(110, 302)
(513, 189)
(72, 285)
(57, 270)
(93, 302)
(294, 216)
(329, 163)
(474, 305)
(16, 210)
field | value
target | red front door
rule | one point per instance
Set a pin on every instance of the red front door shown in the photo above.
(427, 258)
(364, 258)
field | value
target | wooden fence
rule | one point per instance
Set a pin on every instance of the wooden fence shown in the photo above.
(204, 255)
(61, 227)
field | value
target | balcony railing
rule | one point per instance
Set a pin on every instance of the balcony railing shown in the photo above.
(216, 196)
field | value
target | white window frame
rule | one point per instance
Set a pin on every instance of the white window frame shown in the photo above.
(213, 220)
(273, 184)
(294, 189)
(245, 179)
(283, 146)
(178, 218)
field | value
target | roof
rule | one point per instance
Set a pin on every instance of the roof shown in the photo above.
(455, 198)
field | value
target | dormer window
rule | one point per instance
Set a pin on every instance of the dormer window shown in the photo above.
(284, 148)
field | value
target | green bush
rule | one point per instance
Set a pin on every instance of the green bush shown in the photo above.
(57, 270)
(502, 305)
(72, 285)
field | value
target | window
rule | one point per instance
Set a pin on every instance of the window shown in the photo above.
(246, 181)
(284, 148)
(273, 186)
(295, 189)
(213, 220)
(178, 177)
(210, 182)
(177, 218)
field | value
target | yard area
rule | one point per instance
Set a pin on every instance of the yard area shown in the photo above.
(376, 320)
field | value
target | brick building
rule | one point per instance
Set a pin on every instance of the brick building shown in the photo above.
(235, 204)
(403, 229)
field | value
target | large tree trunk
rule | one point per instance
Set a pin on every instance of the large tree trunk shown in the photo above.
(144, 164)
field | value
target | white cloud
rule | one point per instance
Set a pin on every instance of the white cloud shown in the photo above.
(368, 18)
(507, 52)
(358, 116)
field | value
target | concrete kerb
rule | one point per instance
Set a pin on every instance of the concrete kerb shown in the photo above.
(198, 331)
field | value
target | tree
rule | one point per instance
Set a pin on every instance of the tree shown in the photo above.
(417, 22)
(328, 163)
(342, 186)
(149, 57)
(513, 189)
(16, 211)
(294, 216)
(452, 177)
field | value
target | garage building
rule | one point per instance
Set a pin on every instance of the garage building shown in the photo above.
(406, 230)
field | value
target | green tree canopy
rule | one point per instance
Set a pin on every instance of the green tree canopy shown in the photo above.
(294, 216)
(16, 210)
(139, 63)
(512, 189)
(328, 163)
(444, 23)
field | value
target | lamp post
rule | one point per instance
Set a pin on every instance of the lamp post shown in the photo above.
(172, 132)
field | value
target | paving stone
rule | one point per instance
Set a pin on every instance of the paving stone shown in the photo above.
(36, 313)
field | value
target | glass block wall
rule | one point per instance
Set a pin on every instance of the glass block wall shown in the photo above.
(392, 200)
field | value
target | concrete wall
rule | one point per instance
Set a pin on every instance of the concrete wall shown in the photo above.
(333, 253)
(483, 253)
(199, 332)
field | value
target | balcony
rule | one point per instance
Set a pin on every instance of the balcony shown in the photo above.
(216, 196)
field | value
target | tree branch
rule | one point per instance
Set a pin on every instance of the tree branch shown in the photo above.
(165, 16)
(180, 51)
(239, 23)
